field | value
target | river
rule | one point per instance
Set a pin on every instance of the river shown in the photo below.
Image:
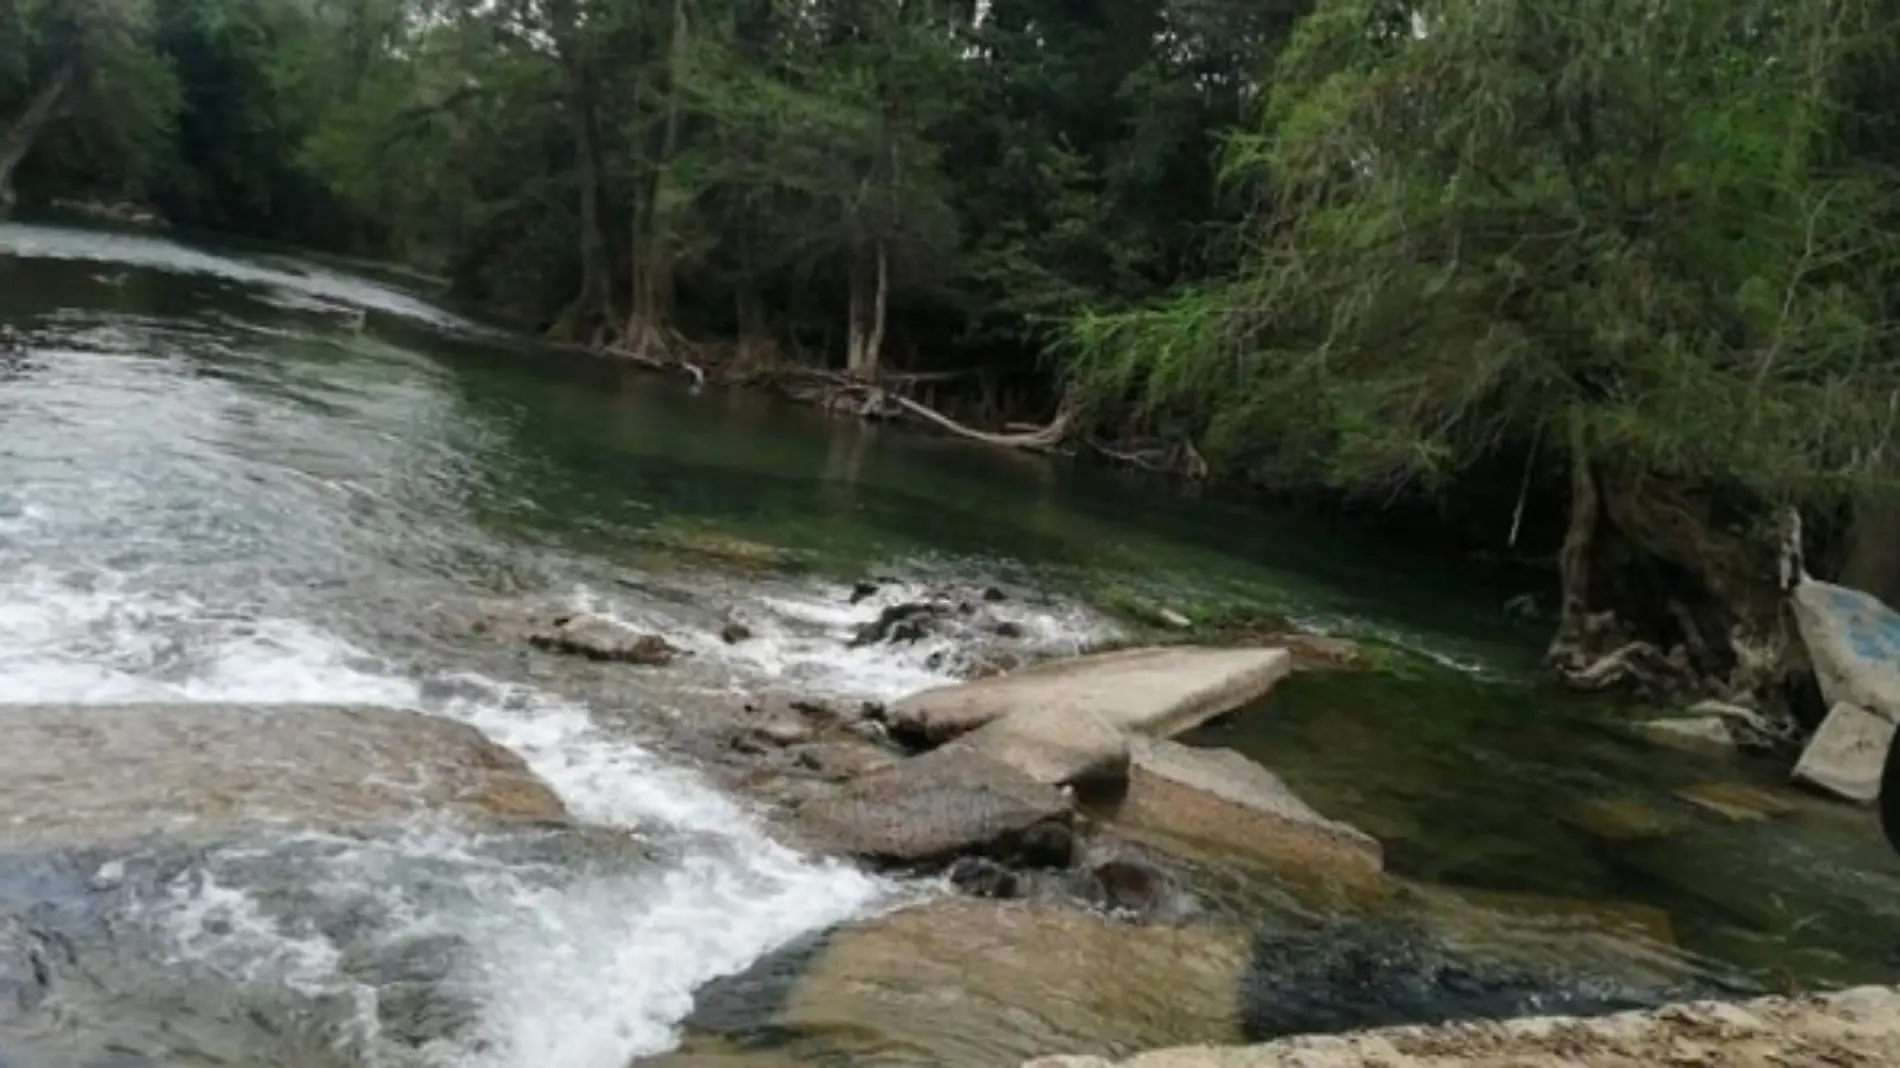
(236, 475)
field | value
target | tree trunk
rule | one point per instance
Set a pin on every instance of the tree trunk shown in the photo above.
(1573, 559)
(26, 127)
(870, 294)
(652, 256)
(1873, 550)
(755, 337)
(591, 306)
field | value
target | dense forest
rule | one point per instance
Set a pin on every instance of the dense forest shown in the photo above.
(1604, 283)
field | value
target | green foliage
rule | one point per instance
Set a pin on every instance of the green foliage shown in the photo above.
(1480, 220)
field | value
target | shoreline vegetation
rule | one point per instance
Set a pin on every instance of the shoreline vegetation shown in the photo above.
(1618, 318)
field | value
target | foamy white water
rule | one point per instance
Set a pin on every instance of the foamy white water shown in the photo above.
(583, 972)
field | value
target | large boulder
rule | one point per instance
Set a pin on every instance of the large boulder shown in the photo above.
(1853, 641)
(1851, 1027)
(95, 774)
(964, 982)
(930, 809)
(1158, 692)
(1224, 802)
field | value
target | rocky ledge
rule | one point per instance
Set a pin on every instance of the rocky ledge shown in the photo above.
(1859, 1027)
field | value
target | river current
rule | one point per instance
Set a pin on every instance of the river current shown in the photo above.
(239, 476)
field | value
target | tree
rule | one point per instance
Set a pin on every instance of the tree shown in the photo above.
(1616, 242)
(84, 71)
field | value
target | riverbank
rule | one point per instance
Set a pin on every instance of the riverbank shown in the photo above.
(1850, 1027)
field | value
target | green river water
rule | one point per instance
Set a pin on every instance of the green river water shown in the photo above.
(241, 475)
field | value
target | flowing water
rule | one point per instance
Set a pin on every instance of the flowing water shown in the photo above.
(247, 477)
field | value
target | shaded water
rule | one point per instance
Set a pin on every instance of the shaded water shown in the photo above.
(215, 485)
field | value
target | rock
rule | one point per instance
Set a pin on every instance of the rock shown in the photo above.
(843, 759)
(1846, 754)
(1173, 618)
(1219, 799)
(1853, 641)
(974, 982)
(994, 595)
(1054, 747)
(1008, 629)
(1620, 820)
(983, 877)
(1158, 691)
(1341, 973)
(1696, 733)
(775, 732)
(1321, 652)
(603, 639)
(907, 622)
(734, 633)
(863, 590)
(1132, 886)
(929, 809)
(98, 774)
(1737, 801)
(1853, 1027)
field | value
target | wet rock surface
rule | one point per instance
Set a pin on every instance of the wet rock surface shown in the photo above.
(1154, 691)
(1218, 799)
(597, 638)
(967, 982)
(96, 774)
(930, 809)
(1857, 1028)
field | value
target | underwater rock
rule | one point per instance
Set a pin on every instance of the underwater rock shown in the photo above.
(1220, 800)
(1737, 801)
(603, 639)
(1346, 974)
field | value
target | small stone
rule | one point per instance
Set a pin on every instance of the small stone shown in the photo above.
(1132, 885)
(734, 633)
(994, 595)
(1047, 845)
(1009, 629)
(604, 639)
(983, 877)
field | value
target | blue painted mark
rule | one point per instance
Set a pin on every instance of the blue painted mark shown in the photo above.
(1847, 601)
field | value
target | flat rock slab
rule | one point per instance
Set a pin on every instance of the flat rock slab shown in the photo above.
(1857, 1028)
(932, 808)
(963, 982)
(93, 774)
(1220, 798)
(1846, 754)
(1158, 692)
(1054, 746)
